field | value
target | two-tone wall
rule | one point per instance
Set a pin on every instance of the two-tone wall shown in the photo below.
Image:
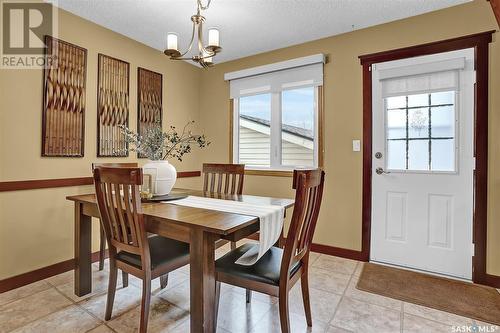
(340, 219)
(36, 226)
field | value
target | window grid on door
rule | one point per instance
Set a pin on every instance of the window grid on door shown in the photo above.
(410, 124)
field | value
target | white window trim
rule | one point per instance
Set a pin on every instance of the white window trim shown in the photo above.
(275, 135)
(277, 66)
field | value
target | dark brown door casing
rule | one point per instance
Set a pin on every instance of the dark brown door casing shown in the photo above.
(480, 42)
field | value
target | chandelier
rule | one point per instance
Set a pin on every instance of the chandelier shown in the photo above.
(205, 54)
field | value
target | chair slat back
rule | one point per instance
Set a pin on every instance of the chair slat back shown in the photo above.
(119, 202)
(223, 178)
(309, 192)
(115, 165)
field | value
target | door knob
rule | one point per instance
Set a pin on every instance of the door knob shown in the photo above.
(381, 171)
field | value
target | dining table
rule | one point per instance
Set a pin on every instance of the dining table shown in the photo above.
(202, 228)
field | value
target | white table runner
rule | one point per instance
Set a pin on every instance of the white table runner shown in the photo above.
(270, 216)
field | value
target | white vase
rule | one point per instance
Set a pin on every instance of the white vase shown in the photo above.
(163, 176)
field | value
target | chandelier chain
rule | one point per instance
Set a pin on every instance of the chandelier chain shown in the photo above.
(200, 5)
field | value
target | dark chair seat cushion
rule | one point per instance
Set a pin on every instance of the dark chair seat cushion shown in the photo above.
(266, 270)
(162, 250)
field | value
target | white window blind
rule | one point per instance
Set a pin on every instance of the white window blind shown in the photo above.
(424, 78)
(277, 77)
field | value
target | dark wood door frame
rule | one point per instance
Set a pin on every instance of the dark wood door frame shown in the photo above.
(480, 42)
(495, 5)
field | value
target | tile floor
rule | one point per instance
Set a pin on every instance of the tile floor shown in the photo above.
(337, 306)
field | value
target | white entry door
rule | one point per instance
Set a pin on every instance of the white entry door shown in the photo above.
(423, 164)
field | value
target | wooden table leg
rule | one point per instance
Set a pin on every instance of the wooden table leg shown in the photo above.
(83, 260)
(202, 266)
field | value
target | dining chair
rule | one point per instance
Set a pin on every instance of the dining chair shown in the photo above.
(102, 236)
(130, 248)
(223, 179)
(278, 270)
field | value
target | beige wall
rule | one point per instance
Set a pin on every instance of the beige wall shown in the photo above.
(36, 226)
(340, 220)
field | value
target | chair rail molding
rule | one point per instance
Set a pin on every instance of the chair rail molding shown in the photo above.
(33, 184)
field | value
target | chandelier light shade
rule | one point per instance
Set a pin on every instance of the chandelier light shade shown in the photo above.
(213, 37)
(172, 42)
(206, 52)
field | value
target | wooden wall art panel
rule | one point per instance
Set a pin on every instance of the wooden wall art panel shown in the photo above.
(112, 105)
(149, 99)
(63, 119)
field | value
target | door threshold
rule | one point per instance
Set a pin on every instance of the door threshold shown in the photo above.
(422, 271)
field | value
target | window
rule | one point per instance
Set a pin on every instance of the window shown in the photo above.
(420, 132)
(298, 121)
(254, 130)
(275, 118)
(277, 131)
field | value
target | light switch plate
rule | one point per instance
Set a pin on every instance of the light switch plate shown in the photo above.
(356, 145)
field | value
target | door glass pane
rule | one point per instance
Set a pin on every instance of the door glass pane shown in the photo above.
(418, 100)
(396, 102)
(396, 124)
(418, 123)
(443, 121)
(443, 98)
(297, 127)
(396, 154)
(418, 155)
(420, 132)
(443, 155)
(254, 130)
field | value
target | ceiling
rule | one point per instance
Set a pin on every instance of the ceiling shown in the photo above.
(247, 27)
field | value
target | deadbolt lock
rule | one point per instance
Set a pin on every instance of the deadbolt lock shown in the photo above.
(378, 155)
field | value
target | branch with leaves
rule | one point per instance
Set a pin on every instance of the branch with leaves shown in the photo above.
(158, 145)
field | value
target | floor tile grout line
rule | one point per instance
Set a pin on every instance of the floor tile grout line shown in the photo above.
(17, 299)
(171, 329)
(330, 271)
(403, 312)
(401, 317)
(138, 306)
(79, 305)
(99, 320)
(373, 303)
(252, 326)
(48, 314)
(342, 296)
(119, 316)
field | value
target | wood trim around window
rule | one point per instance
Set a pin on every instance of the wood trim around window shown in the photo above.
(480, 42)
(282, 173)
(321, 127)
(272, 173)
(231, 132)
